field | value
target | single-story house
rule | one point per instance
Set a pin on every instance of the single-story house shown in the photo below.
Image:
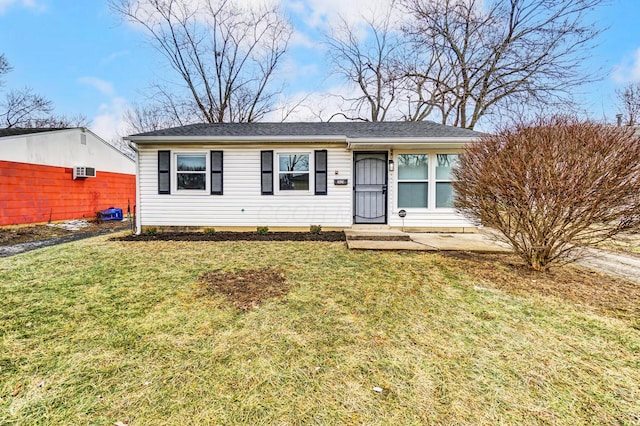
(59, 174)
(293, 175)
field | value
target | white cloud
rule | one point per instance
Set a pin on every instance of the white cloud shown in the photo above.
(114, 56)
(293, 72)
(321, 14)
(103, 86)
(299, 39)
(29, 4)
(628, 70)
(109, 123)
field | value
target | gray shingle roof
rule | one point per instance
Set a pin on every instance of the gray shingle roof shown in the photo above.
(390, 129)
(16, 131)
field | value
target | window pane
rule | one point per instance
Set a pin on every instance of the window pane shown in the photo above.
(413, 166)
(191, 180)
(413, 194)
(444, 194)
(294, 162)
(445, 163)
(192, 163)
(294, 181)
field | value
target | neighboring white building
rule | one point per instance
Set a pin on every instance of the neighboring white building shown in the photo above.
(293, 175)
(58, 174)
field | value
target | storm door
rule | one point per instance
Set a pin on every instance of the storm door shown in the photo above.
(370, 188)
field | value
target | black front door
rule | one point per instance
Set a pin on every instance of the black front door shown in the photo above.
(370, 187)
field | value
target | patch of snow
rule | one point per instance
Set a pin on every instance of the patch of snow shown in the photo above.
(71, 225)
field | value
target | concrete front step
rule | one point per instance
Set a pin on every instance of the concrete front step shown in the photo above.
(376, 235)
(387, 245)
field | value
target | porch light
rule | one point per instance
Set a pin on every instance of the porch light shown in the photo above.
(390, 165)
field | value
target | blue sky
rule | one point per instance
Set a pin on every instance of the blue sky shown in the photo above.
(83, 58)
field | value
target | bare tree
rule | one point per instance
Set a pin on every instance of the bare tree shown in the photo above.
(484, 56)
(148, 118)
(371, 63)
(552, 187)
(225, 55)
(26, 109)
(58, 121)
(629, 101)
(23, 108)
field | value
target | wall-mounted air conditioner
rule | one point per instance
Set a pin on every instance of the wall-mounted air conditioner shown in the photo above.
(83, 172)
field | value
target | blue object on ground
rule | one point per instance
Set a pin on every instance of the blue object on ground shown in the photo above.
(111, 214)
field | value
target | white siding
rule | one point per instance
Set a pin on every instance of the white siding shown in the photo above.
(417, 219)
(242, 203)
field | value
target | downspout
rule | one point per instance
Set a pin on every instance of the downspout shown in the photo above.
(137, 209)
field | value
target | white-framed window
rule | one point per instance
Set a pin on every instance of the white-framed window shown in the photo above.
(424, 180)
(294, 171)
(413, 181)
(444, 189)
(191, 171)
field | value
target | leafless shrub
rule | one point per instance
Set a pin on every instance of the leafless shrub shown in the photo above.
(552, 186)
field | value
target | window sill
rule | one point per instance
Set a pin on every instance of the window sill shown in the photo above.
(425, 210)
(187, 192)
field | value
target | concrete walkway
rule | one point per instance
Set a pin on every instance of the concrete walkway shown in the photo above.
(620, 265)
(392, 239)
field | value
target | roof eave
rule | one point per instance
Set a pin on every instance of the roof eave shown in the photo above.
(410, 143)
(235, 139)
(351, 142)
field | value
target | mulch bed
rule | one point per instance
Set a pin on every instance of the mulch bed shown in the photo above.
(245, 289)
(236, 236)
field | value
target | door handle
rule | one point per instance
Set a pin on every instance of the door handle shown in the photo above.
(384, 189)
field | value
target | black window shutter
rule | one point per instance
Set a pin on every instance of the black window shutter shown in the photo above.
(321, 172)
(164, 172)
(266, 169)
(216, 172)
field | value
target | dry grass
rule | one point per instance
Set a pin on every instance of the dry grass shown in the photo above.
(583, 287)
(96, 332)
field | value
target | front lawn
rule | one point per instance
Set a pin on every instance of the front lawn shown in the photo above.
(99, 332)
